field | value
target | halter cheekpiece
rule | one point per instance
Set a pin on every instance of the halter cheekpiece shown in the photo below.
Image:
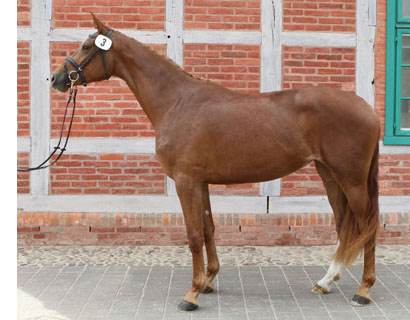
(73, 75)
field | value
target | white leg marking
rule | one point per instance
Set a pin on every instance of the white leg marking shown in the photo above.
(335, 269)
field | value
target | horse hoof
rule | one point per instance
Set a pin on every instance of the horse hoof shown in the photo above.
(319, 290)
(208, 289)
(187, 306)
(359, 301)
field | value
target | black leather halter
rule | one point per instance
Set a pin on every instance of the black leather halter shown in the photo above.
(79, 69)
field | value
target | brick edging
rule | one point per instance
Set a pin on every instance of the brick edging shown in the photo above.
(51, 228)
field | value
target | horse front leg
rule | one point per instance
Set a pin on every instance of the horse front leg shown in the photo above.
(190, 195)
(209, 230)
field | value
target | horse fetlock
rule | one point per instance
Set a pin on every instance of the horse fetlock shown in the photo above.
(199, 284)
(213, 269)
(210, 275)
(369, 280)
(191, 297)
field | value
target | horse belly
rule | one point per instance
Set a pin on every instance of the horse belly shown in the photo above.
(255, 165)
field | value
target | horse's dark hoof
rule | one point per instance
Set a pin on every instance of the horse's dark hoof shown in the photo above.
(187, 306)
(359, 301)
(208, 289)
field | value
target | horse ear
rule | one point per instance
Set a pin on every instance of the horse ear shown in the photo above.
(99, 25)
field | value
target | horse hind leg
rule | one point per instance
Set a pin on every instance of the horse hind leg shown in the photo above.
(367, 224)
(367, 201)
(334, 273)
(338, 202)
(209, 230)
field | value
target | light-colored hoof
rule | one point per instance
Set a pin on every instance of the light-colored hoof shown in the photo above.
(319, 290)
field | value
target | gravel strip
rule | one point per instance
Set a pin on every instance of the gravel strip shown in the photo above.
(180, 256)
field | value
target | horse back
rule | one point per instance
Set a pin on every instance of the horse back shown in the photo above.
(234, 138)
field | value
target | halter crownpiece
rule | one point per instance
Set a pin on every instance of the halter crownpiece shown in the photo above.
(103, 43)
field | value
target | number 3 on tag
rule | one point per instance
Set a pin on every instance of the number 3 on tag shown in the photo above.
(103, 42)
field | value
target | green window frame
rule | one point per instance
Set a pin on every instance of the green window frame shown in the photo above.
(398, 26)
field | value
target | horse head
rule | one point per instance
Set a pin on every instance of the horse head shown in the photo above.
(92, 61)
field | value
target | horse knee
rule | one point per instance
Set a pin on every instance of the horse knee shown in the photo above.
(209, 231)
(196, 242)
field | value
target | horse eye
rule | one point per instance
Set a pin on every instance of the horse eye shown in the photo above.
(86, 47)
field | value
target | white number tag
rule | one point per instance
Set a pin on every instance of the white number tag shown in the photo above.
(103, 42)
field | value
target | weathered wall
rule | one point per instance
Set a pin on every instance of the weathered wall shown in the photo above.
(110, 168)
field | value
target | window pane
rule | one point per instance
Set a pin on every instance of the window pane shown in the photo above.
(406, 8)
(405, 114)
(405, 81)
(406, 49)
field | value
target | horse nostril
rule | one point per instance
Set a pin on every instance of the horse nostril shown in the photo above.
(53, 78)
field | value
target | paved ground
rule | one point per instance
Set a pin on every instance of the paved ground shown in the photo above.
(86, 290)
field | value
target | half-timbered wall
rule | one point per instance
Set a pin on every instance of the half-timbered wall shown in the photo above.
(110, 168)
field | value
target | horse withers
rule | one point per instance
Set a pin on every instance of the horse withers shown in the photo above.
(208, 134)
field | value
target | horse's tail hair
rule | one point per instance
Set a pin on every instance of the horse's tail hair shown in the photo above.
(352, 237)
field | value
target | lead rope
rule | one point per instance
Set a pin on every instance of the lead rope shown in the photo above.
(73, 95)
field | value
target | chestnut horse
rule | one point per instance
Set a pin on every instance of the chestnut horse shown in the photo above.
(208, 134)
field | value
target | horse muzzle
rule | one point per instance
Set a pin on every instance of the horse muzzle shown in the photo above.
(59, 81)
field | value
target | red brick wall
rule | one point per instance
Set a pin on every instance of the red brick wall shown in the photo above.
(104, 109)
(244, 189)
(394, 178)
(380, 64)
(23, 178)
(23, 88)
(23, 13)
(224, 14)
(319, 15)
(307, 66)
(394, 174)
(234, 66)
(107, 174)
(168, 229)
(128, 14)
(303, 182)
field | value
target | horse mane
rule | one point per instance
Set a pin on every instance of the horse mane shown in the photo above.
(171, 62)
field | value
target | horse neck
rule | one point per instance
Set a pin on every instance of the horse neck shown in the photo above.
(154, 80)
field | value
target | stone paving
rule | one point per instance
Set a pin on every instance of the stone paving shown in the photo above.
(90, 288)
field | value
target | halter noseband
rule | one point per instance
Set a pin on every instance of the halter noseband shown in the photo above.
(78, 70)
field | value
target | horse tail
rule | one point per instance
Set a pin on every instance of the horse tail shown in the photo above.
(356, 232)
